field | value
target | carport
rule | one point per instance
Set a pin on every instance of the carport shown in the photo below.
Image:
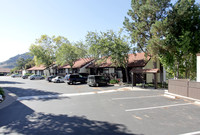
(145, 71)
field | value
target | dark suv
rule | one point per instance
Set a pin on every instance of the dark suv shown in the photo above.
(74, 78)
(97, 80)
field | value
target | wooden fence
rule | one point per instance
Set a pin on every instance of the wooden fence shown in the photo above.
(184, 87)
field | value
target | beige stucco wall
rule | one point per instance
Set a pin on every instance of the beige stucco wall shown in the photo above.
(149, 76)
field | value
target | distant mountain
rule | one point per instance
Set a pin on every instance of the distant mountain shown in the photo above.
(11, 63)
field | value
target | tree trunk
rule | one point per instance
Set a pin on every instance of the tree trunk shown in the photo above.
(177, 73)
(155, 64)
(95, 71)
(127, 78)
(189, 74)
(71, 70)
(57, 70)
(155, 75)
(49, 70)
(186, 73)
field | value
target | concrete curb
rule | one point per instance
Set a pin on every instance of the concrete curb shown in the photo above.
(174, 96)
(9, 99)
(140, 89)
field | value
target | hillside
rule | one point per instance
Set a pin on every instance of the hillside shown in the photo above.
(11, 63)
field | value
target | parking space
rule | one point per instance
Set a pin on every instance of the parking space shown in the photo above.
(142, 112)
(156, 114)
(139, 111)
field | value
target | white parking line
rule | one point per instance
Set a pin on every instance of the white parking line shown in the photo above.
(191, 133)
(124, 98)
(156, 107)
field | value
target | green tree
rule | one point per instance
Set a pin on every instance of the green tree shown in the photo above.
(82, 49)
(45, 48)
(144, 14)
(30, 64)
(21, 63)
(58, 41)
(177, 39)
(93, 41)
(67, 54)
(116, 47)
(109, 45)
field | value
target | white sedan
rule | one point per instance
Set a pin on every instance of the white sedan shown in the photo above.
(58, 79)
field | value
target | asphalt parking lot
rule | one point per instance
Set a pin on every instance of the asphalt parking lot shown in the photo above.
(84, 110)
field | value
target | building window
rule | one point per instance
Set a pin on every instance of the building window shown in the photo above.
(106, 70)
(119, 73)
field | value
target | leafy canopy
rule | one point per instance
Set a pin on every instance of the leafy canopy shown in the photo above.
(45, 48)
(67, 54)
(176, 39)
(143, 16)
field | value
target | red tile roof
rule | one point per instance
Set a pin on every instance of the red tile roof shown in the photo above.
(64, 66)
(37, 68)
(135, 60)
(138, 60)
(4, 70)
(79, 63)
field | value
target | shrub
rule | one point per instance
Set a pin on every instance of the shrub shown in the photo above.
(114, 81)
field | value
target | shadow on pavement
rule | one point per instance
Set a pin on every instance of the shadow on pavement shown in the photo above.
(21, 92)
(20, 119)
(10, 82)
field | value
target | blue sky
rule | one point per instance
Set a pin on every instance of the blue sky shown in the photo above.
(22, 21)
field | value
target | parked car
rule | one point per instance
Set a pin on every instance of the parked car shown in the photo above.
(25, 76)
(49, 78)
(97, 80)
(36, 77)
(58, 79)
(74, 78)
(84, 74)
(16, 75)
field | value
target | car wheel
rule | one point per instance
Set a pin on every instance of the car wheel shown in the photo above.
(73, 82)
(68, 83)
(58, 81)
